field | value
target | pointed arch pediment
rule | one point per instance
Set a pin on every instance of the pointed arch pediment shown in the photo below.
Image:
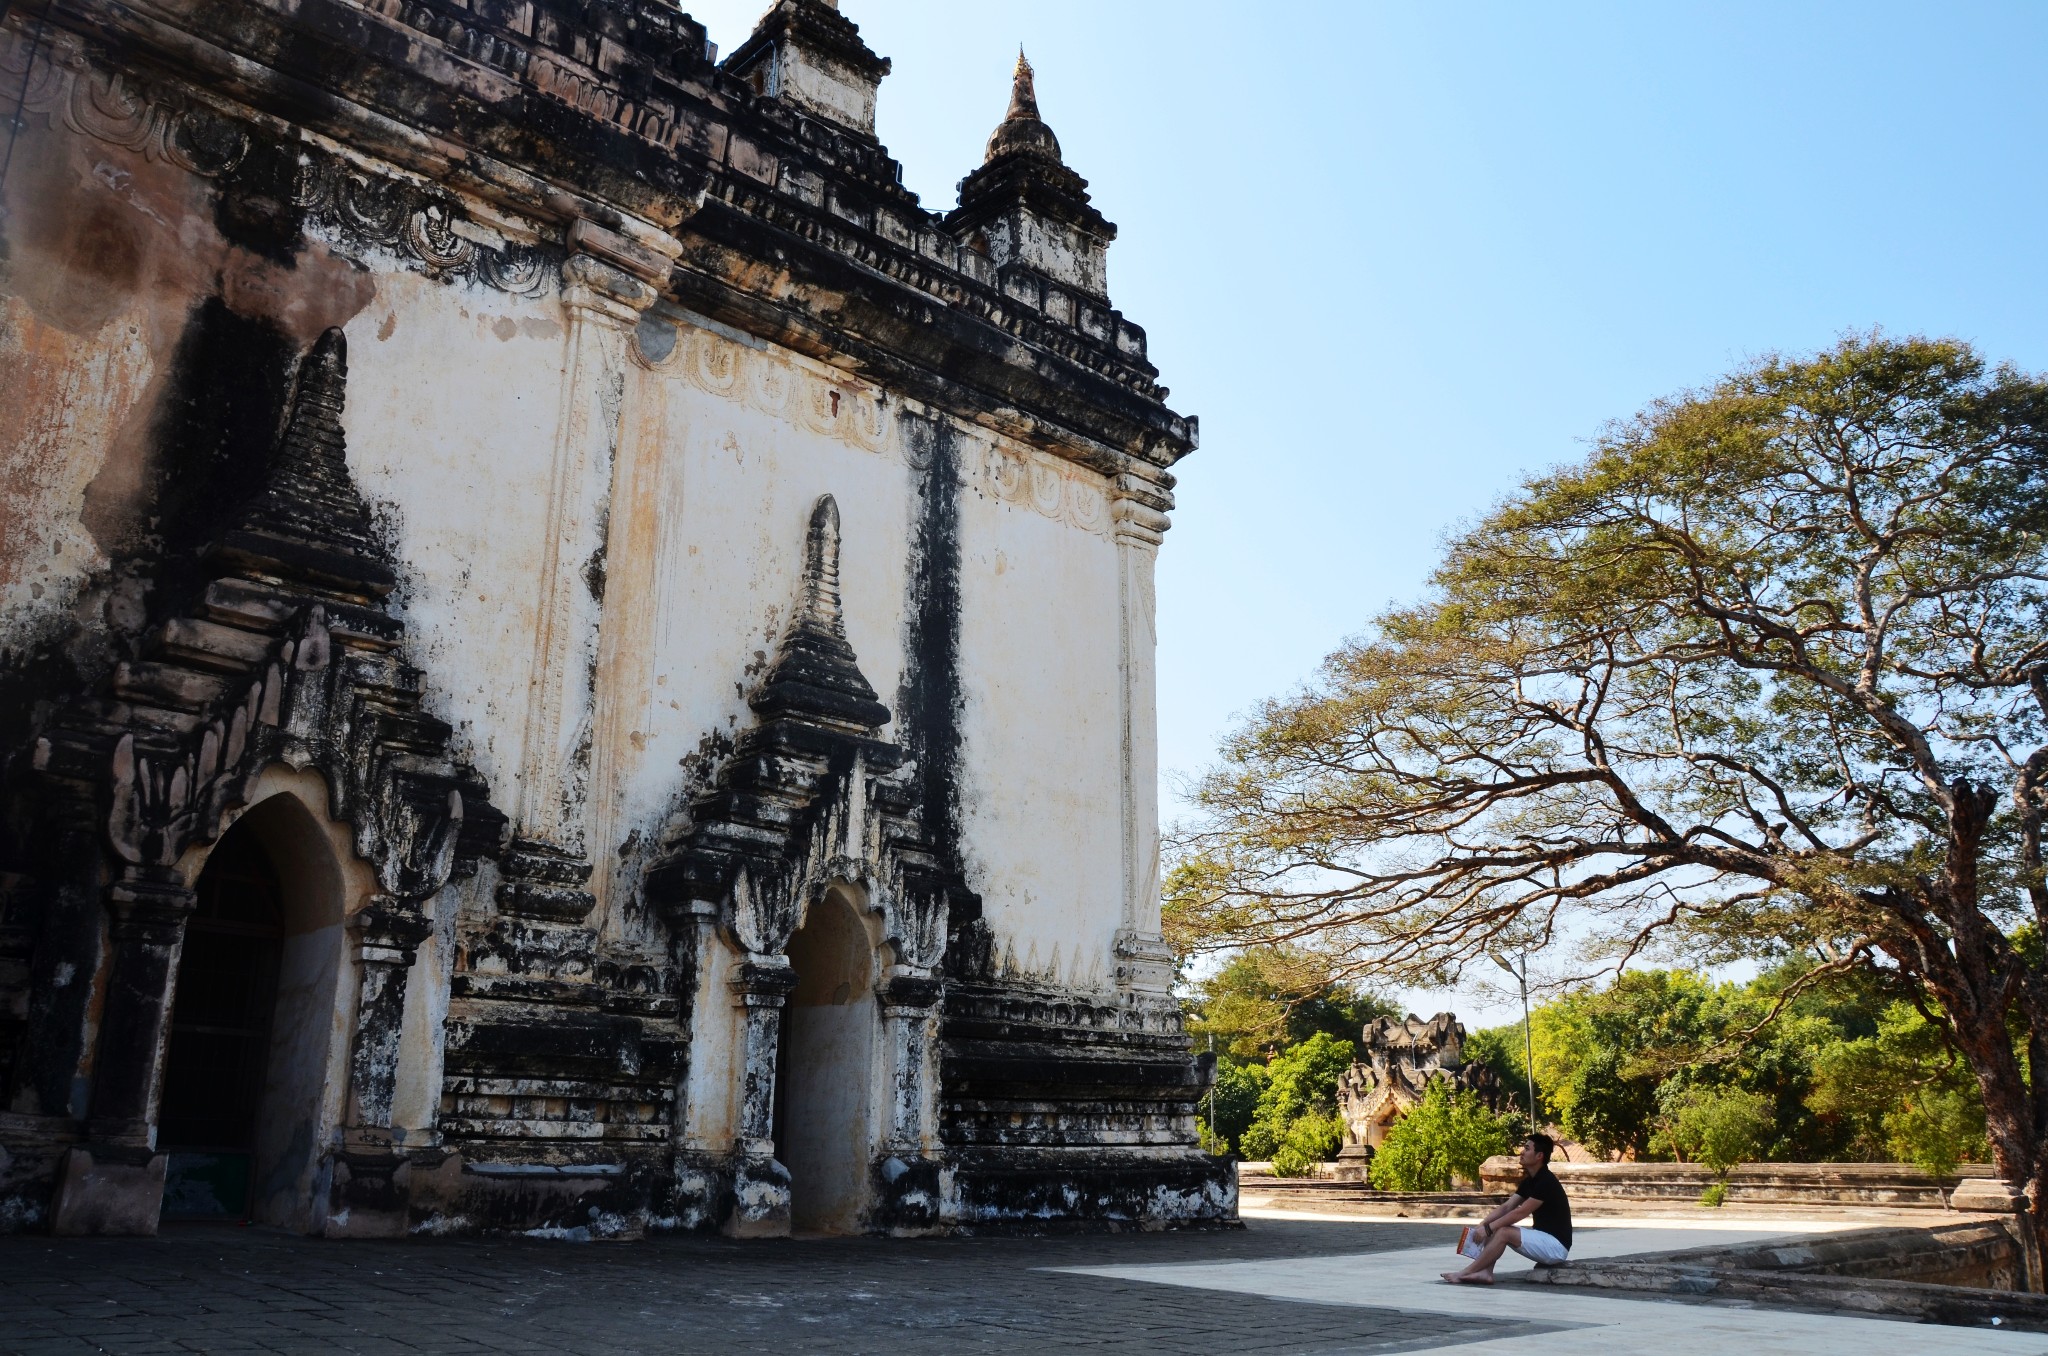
(287, 652)
(812, 792)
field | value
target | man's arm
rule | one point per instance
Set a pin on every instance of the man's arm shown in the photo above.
(1516, 1208)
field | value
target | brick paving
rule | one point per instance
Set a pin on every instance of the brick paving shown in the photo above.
(225, 1290)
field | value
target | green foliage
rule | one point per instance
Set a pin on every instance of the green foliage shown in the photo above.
(1310, 1139)
(1902, 1092)
(1713, 1197)
(1266, 999)
(1442, 1138)
(1761, 675)
(1669, 1063)
(1721, 1128)
(1300, 1084)
(1237, 1093)
(1601, 1055)
(1499, 1048)
(1936, 1129)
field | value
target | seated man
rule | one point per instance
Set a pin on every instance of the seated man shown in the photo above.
(1545, 1240)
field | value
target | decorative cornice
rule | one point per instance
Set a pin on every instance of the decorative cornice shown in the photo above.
(540, 135)
(155, 121)
(358, 209)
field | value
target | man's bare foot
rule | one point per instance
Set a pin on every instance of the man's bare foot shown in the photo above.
(1460, 1278)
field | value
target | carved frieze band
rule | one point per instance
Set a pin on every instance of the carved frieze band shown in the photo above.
(857, 414)
(351, 207)
(356, 209)
(58, 82)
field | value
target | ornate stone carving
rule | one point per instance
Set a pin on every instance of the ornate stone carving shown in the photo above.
(1398, 1061)
(61, 84)
(286, 655)
(327, 692)
(811, 796)
(359, 210)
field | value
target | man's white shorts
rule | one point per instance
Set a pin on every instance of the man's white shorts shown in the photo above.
(1540, 1248)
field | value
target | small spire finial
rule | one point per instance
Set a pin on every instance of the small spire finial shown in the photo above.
(1021, 128)
(1023, 92)
(820, 605)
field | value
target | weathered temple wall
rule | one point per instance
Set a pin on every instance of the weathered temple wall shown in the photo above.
(119, 287)
(740, 440)
(1040, 744)
(455, 392)
(577, 566)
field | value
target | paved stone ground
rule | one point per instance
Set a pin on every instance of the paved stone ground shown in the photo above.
(230, 1290)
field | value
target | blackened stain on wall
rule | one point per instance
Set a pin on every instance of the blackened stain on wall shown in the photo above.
(258, 213)
(219, 422)
(930, 703)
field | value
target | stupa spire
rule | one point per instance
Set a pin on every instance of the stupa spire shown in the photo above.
(1022, 129)
(1023, 90)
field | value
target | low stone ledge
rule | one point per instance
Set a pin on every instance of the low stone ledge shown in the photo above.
(1954, 1305)
(1890, 1185)
(1836, 1274)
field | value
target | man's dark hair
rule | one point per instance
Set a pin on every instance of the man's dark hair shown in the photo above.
(1542, 1144)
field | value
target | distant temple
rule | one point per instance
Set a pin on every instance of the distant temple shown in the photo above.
(573, 659)
(1397, 1063)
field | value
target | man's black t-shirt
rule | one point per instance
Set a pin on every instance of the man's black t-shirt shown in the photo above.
(1554, 1215)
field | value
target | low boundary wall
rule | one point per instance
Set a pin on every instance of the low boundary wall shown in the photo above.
(1891, 1185)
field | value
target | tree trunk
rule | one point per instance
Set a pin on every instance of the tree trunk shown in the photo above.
(2010, 1122)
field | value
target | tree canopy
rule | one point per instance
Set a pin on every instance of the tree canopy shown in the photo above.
(1766, 673)
(1260, 1002)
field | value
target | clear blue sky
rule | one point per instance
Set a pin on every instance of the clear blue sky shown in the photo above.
(1397, 255)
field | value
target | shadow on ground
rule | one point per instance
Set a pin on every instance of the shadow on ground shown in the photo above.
(225, 1290)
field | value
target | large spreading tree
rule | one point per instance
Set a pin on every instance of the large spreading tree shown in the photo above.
(1767, 671)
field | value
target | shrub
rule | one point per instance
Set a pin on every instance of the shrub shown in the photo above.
(1938, 1128)
(1301, 1083)
(1441, 1138)
(1310, 1140)
(1712, 1197)
(1719, 1127)
(1238, 1089)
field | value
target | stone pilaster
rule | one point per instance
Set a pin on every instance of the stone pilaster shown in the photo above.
(368, 1187)
(386, 937)
(607, 283)
(908, 1196)
(114, 1183)
(909, 1001)
(148, 934)
(1144, 964)
(760, 1183)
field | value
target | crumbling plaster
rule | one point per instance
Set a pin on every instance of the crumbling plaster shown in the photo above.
(748, 436)
(583, 439)
(465, 518)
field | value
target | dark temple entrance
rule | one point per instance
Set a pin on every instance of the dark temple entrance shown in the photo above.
(220, 1032)
(825, 1080)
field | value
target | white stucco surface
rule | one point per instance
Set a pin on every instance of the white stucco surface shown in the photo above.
(1041, 794)
(454, 456)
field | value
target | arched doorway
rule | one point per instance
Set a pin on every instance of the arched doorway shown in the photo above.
(217, 1058)
(826, 1076)
(256, 1041)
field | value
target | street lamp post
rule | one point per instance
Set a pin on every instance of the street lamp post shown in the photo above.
(1528, 1040)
